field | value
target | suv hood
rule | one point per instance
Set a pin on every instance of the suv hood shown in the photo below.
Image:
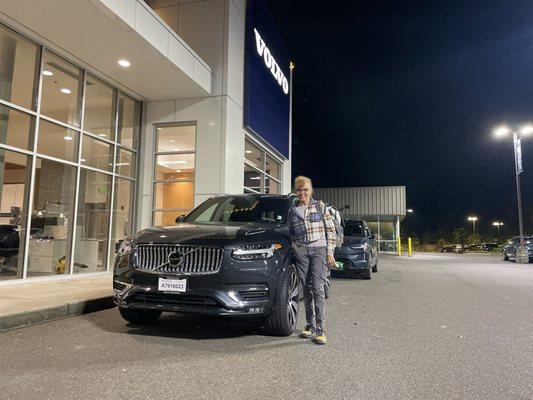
(214, 234)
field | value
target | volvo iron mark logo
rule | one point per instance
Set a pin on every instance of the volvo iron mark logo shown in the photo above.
(175, 258)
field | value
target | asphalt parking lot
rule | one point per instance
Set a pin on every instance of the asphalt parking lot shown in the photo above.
(429, 327)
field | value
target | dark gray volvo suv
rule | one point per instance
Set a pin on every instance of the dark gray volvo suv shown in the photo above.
(231, 256)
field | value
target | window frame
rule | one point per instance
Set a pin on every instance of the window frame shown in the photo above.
(156, 153)
(262, 172)
(35, 112)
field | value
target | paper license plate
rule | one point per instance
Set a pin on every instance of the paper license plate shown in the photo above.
(172, 285)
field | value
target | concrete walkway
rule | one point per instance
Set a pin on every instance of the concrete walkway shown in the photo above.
(32, 303)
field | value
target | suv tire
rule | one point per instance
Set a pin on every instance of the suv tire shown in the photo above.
(375, 267)
(368, 273)
(505, 256)
(283, 320)
(139, 316)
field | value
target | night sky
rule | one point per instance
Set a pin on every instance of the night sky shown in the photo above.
(408, 93)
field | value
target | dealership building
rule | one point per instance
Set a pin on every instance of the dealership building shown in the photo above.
(116, 115)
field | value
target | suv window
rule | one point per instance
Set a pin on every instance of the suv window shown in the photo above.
(241, 209)
(354, 229)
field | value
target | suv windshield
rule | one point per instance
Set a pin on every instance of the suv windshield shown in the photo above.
(354, 229)
(241, 209)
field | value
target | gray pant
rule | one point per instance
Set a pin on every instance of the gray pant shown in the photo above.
(311, 263)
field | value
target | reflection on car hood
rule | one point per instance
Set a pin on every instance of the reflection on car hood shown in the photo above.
(215, 234)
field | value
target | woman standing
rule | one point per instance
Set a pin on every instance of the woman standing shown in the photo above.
(313, 237)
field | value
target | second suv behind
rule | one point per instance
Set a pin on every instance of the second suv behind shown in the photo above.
(358, 252)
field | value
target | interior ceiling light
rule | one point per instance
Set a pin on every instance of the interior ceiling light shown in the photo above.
(47, 73)
(66, 91)
(124, 63)
(248, 151)
(102, 134)
(67, 137)
(178, 170)
(171, 140)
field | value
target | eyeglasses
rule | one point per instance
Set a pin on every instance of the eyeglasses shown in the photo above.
(302, 190)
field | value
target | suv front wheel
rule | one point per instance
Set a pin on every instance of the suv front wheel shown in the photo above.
(282, 322)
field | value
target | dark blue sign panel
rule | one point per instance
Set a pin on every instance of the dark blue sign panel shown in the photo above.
(266, 81)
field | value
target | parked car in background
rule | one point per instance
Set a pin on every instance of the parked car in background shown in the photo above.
(358, 253)
(231, 256)
(509, 250)
(9, 240)
(488, 247)
(452, 248)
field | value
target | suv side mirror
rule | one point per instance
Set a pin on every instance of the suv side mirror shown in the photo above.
(180, 219)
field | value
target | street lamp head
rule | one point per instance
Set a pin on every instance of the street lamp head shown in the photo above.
(410, 211)
(527, 130)
(497, 223)
(472, 218)
(502, 131)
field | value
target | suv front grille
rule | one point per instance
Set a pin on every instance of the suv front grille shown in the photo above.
(194, 260)
(174, 300)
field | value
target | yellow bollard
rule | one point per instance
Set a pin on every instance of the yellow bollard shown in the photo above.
(399, 246)
(409, 247)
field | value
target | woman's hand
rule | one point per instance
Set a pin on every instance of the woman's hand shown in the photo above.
(331, 261)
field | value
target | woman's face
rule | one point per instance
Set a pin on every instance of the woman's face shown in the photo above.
(304, 193)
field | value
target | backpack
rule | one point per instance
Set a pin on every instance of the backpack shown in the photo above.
(337, 222)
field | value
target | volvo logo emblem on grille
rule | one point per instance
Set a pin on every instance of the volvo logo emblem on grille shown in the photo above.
(175, 258)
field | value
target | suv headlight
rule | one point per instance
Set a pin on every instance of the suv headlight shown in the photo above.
(361, 247)
(126, 247)
(256, 251)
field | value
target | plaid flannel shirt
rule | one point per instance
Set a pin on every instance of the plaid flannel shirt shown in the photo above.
(311, 228)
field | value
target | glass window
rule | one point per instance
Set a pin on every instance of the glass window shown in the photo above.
(254, 155)
(272, 167)
(252, 178)
(271, 186)
(125, 163)
(57, 141)
(257, 164)
(16, 127)
(97, 153)
(92, 226)
(174, 195)
(175, 167)
(174, 173)
(128, 121)
(99, 115)
(51, 220)
(180, 138)
(18, 63)
(122, 213)
(15, 176)
(60, 98)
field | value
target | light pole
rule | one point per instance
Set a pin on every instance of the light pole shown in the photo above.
(521, 254)
(473, 220)
(497, 224)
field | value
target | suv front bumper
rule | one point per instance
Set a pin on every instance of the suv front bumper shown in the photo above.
(239, 288)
